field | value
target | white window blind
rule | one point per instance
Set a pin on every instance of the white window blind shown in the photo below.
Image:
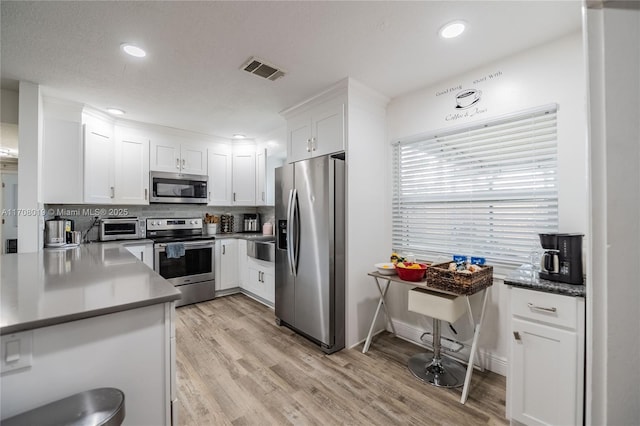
(483, 190)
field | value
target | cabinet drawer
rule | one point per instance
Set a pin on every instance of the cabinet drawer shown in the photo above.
(549, 308)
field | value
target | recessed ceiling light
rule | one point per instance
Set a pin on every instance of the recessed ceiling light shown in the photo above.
(239, 136)
(115, 111)
(133, 50)
(452, 29)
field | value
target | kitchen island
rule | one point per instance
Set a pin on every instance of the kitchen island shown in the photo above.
(82, 318)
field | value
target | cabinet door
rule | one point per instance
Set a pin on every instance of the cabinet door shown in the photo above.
(299, 138)
(243, 265)
(543, 374)
(269, 282)
(228, 265)
(254, 283)
(193, 159)
(132, 170)
(261, 177)
(99, 186)
(328, 133)
(165, 156)
(220, 189)
(244, 179)
(144, 252)
(62, 171)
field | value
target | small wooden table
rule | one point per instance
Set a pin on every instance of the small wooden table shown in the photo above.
(384, 287)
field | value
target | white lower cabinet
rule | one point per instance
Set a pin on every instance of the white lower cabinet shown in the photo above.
(243, 265)
(261, 279)
(144, 252)
(226, 257)
(545, 385)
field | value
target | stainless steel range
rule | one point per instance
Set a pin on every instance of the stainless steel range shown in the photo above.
(184, 256)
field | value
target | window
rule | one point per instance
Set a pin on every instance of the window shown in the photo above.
(487, 189)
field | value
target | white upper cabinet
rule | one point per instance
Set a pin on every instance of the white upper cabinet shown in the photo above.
(193, 159)
(244, 176)
(131, 167)
(261, 177)
(317, 130)
(174, 157)
(220, 188)
(62, 153)
(165, 156)
(99, 184)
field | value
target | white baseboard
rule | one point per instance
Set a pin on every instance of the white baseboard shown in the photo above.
(490, 361)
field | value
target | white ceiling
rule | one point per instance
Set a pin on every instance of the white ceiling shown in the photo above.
(191, 77)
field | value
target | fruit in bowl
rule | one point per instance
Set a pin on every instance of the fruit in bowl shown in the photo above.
(410, 271)
(386, 268)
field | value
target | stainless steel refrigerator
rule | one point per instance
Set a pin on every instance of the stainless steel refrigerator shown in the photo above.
(310, 249)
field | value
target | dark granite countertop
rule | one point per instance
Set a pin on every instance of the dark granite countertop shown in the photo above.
(525, 277)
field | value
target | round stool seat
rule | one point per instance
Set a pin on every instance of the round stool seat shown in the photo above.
(434, 369)
(442, 306)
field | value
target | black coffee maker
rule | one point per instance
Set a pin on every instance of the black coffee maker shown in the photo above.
(562, 258)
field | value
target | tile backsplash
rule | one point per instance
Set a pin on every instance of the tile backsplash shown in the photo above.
(84, 215)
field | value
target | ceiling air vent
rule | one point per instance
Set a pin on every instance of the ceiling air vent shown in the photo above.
(262, 69)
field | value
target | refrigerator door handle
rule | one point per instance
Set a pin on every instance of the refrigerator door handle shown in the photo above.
(296, 229)
(289, 229)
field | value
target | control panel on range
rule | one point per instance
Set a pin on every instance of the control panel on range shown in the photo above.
(174, 223)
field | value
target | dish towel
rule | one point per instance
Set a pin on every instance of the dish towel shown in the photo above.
(174, 250)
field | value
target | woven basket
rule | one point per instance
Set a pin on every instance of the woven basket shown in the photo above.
(439, 276)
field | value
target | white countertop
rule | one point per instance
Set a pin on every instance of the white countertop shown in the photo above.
(61, 285)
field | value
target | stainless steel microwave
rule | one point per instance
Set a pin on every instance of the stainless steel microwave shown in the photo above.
(178, 188)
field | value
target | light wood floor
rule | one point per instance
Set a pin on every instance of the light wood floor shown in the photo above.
(236, 367)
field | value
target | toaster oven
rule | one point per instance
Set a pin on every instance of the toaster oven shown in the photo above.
(122, 228)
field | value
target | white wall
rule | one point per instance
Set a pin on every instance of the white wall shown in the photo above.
(552, 73)
(30, 224)
(366, 212)
(9, 106)
(613, 345)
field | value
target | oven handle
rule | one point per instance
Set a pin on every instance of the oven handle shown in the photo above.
(211, 244)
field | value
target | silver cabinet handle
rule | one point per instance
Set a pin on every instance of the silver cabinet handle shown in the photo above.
(234, 197)
(313, 144)
(209, 195)
(146, 191)
(224, 249)
(113, 192)
(142, 256)
(177, 163)
(540, 308)
(262, 195)
(184, 163)
(308, 145)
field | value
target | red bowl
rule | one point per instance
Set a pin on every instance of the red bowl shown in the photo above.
(409, 274)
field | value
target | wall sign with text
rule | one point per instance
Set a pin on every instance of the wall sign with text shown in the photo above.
(466, 100)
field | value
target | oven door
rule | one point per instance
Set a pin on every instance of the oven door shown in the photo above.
(196, 265)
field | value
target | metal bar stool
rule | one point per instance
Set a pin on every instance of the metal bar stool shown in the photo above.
(96, 407)
(435, 370)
